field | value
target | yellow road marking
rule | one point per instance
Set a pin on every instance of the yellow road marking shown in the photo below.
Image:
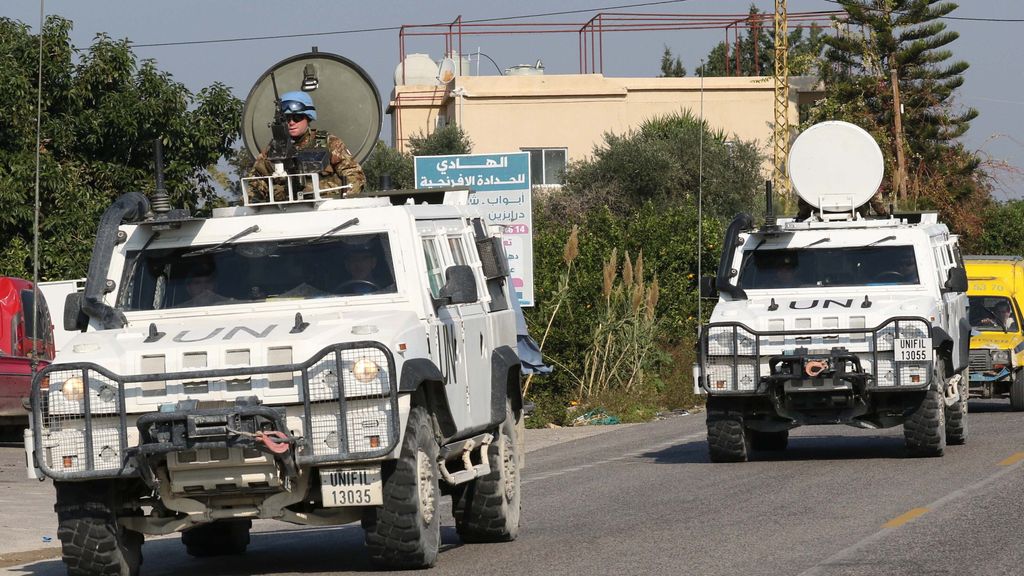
(904, 518)
(1013, 459)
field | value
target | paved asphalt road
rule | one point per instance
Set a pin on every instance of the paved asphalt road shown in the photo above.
(645, 500)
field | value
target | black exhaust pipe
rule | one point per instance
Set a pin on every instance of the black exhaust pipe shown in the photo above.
(725, 272)
(128, 207)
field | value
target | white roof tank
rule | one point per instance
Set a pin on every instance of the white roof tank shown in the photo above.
(835, 166)
(420, 70)
(526, 69)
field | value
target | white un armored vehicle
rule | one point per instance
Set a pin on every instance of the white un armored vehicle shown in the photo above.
(836, 319)
(315, 361)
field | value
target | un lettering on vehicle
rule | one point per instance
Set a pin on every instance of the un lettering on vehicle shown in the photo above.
(351, 486)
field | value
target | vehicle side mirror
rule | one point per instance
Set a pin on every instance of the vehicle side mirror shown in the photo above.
(957, 281)
(74, 318)
(708, 287)
(459, 286)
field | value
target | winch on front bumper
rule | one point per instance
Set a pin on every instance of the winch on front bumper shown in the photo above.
(91, 423)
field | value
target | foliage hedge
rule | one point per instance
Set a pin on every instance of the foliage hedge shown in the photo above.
(638, 193)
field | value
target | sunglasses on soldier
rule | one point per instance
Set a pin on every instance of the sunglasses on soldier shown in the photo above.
(295, 118)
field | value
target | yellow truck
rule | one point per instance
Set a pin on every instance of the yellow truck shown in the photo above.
(996, 292)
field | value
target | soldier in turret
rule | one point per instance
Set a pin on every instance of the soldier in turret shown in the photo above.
(299, 111)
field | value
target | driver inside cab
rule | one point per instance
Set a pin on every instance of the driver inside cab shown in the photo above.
(363, 275)
(1001, 317)
(903, 271)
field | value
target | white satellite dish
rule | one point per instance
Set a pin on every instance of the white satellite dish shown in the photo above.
(835, 166)
(446, 71)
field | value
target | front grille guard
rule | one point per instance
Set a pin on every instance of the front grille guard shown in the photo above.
(112, 408)
(871, 336)
(981, 359)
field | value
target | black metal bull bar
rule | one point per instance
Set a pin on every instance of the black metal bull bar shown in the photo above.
(98, 418)
(845, 365)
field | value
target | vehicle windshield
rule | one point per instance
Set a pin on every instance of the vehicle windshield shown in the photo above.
(185, 277)
(993, 314)
(807, 267)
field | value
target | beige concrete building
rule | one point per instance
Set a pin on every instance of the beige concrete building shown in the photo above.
(560, 118)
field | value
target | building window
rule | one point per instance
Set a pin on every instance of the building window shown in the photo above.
(547, 165)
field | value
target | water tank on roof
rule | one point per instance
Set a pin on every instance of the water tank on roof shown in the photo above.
(526, 69)
(420, 70)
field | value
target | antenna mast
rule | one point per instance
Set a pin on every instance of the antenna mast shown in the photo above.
(780, 136)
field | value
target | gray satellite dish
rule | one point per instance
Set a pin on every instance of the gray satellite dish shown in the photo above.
(346, 99)
(835, 166)
(446, 71)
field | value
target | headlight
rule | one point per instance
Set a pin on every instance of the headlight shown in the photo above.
(365, 370)
(73, 389)
(1000, 356)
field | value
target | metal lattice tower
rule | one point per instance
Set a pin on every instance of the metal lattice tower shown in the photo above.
(780, 136)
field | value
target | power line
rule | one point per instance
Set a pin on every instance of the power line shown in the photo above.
(395, 28)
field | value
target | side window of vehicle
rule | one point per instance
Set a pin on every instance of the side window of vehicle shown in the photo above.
(958, 259)
(462, 254)
(458, 249)
(435, 267)
(939, 252)
(42, 317)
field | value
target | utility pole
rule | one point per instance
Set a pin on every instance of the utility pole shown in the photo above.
(780, 136)
(900, 184)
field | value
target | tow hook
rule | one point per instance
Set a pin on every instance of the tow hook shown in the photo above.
(274, 440)
(815, 367)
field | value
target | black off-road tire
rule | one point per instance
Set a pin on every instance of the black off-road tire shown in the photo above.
(956, 415)
(487, 509)
(769, 441)
(1017, 391)
(728, 440)
(92, 542)
(925, 430)
(407, 531)
(220, 538)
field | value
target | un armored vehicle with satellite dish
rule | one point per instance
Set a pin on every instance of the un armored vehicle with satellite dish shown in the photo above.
(316, 361)
(835, 319)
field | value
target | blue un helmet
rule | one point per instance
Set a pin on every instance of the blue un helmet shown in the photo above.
(298, 103)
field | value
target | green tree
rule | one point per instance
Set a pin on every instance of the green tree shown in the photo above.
(907, 38)
(637, 195)
(671, 67)
(757, 50)
(387, 160)
(1003, 232)
(660, 161)
(101, 111)
(450, 139)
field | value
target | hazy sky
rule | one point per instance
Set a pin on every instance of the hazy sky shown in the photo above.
(993, 84)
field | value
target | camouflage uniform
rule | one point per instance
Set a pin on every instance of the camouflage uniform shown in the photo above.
(342, 164)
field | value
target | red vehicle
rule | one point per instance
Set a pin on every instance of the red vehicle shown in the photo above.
(17, 341)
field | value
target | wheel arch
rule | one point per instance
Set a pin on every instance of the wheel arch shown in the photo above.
(424, 380)
(506, 372)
